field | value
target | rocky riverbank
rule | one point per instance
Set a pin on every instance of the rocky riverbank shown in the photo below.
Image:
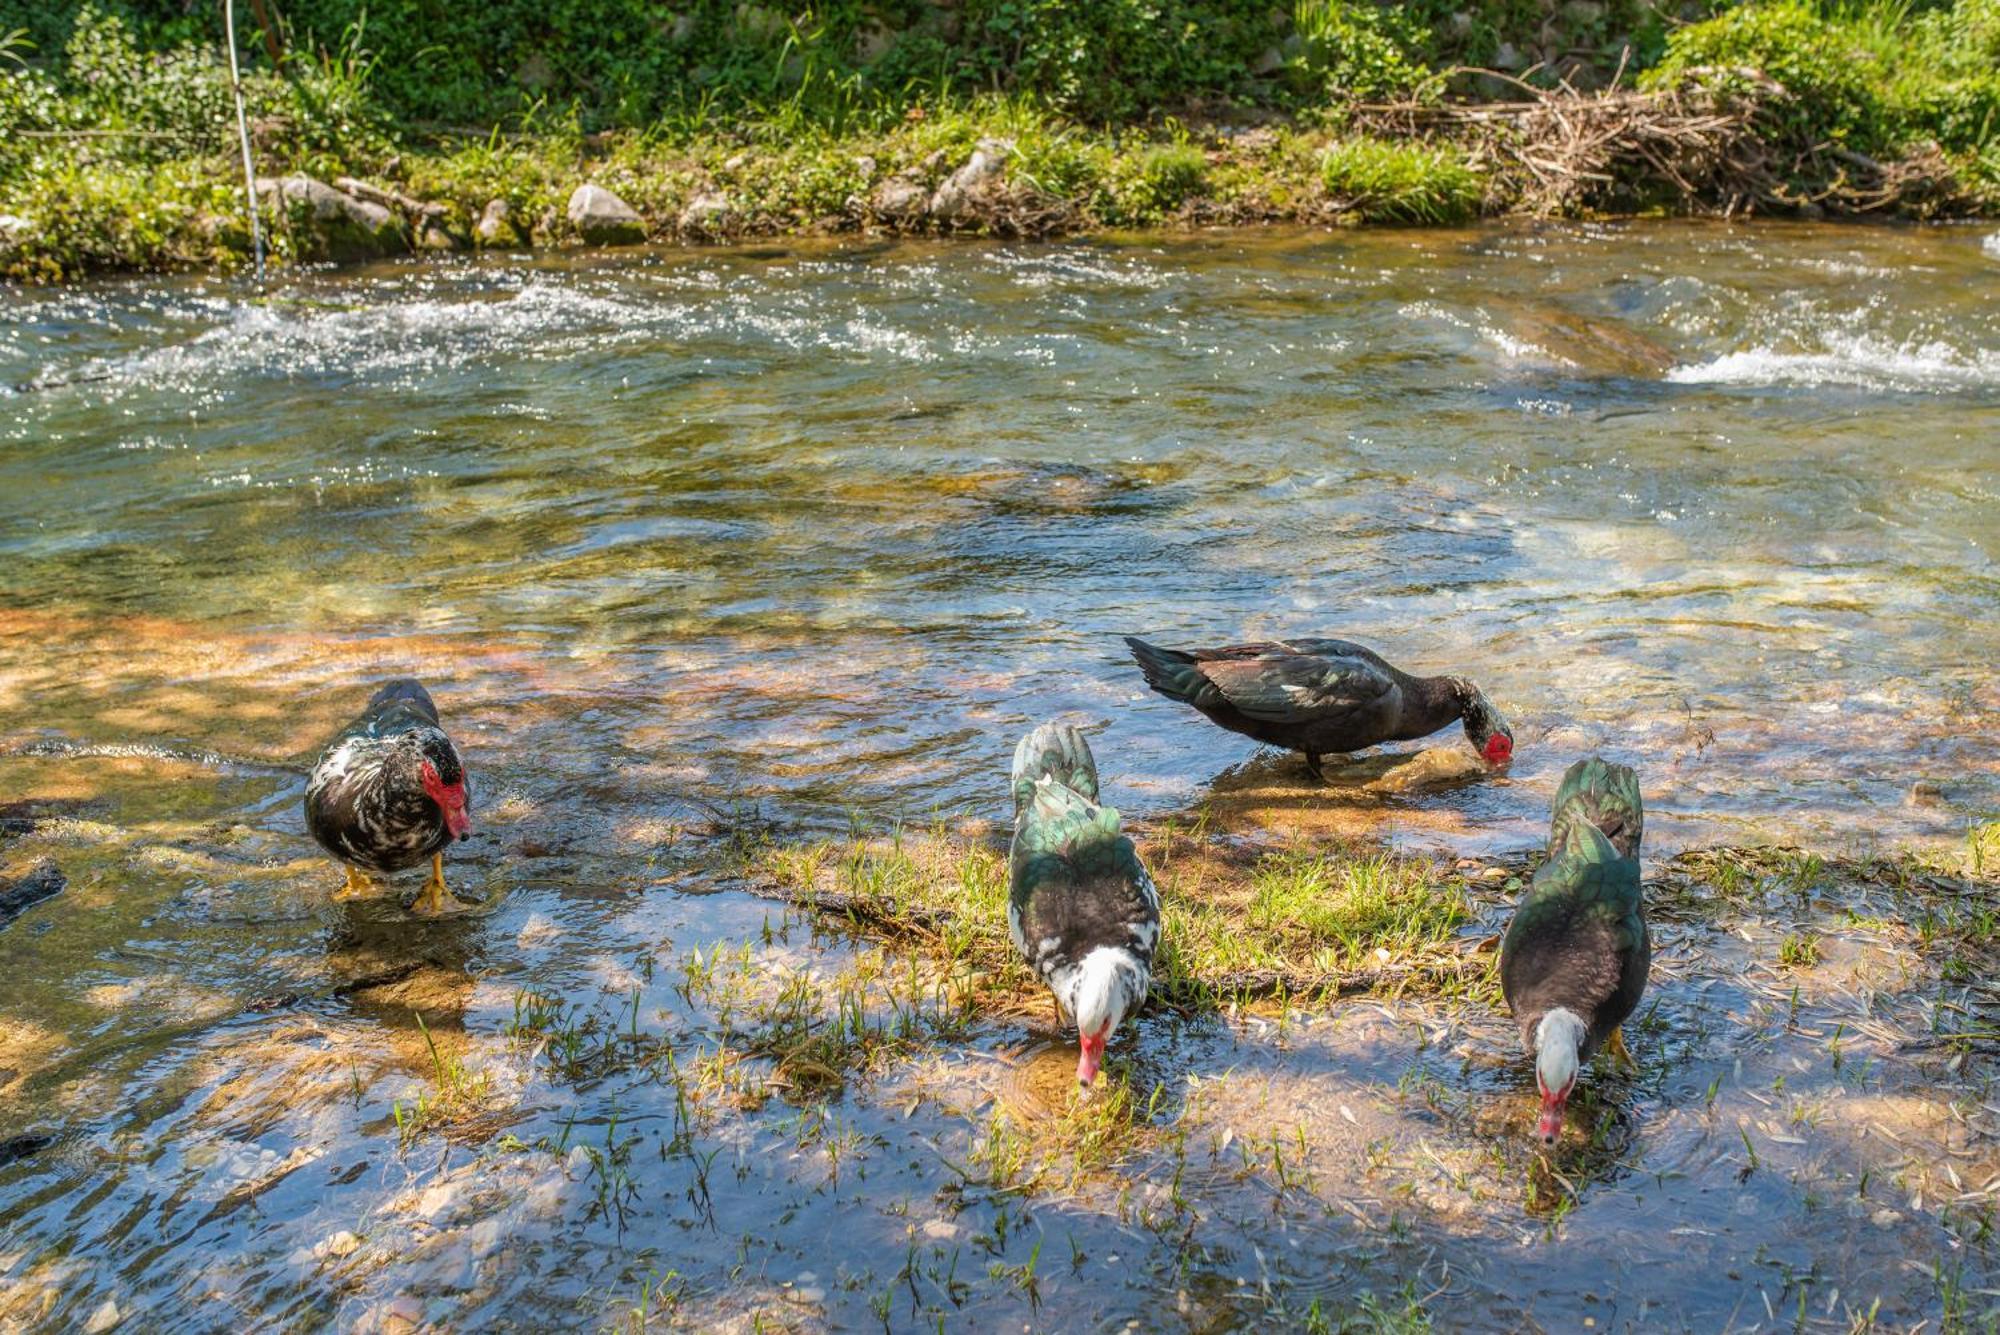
(117, 157)
(1635, 154)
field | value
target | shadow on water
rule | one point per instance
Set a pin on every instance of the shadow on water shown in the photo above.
(703, 552)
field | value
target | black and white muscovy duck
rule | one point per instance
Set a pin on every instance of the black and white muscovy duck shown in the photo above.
(1321, 697)
(389, 792)
(1573, 963)
(1081, 908)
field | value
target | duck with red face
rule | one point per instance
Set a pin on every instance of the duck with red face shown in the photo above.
(391, 791)
(1080, 907)
(1321, 697)
(1573, 963)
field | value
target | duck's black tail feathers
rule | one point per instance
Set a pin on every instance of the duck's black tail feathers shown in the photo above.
(1169, 671)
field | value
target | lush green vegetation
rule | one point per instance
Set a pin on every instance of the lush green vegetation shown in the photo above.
(118, 149)
(1878, 77)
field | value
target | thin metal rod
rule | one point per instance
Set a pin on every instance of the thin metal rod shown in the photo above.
(243, 135)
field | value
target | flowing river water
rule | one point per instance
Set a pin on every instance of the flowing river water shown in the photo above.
(804, 537)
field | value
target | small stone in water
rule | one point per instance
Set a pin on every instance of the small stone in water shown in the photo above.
(1886, 1218)
(1926, 791)
(104, 1318)
(342, 1243)
(399, 1315)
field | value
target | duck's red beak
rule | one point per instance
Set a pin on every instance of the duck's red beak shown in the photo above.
(1549, 1128)
(1499, 749)
(456, 818)
(1090, 1058)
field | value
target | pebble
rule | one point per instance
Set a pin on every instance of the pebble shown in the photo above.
(342, 1243)
(1886, 1218)
(104, 1318)
(398, 1315)
(538, 931)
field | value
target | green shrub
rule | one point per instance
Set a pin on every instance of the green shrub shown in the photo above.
(1831, 81)
(171, 101)
(1402, 182)
(90, 215)
(1872, 74)
(1357, 48)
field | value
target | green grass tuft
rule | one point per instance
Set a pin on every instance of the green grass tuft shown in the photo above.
(1378, 181)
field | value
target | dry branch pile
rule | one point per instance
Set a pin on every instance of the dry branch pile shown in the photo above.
(1714, 143)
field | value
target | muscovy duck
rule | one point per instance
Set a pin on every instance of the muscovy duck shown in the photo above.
(1573, 963)
(1320, 696)
(1081, 908)
(391, 791)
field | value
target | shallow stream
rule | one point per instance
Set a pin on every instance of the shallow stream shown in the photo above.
(796, 538)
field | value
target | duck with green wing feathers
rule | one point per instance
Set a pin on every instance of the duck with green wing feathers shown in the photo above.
(1573, 963)
(1081, 908)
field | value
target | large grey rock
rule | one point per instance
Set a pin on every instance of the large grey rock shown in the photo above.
(974, 183)
(390, 199)
(336, 224)
(495, 228)
(14, 232)
(603, 219)
(707, 215)
(872, 40)
(898, 200)
(757, 21)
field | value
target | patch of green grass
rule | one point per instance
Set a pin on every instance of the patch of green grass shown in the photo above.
(1378, 181)
(455, 1094)
(1799, 950)
(1084, 1136)
(1348, 908)
(1287, 922)
(1982, 849)
(1147, 184)
(1402, 1313)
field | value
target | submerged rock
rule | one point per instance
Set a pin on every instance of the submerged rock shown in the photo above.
(20, 893)
(335, 224)
(974, 183)
(603, 219)
(495, 228)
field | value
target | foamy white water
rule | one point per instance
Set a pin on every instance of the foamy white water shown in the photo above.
(1864, 361)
